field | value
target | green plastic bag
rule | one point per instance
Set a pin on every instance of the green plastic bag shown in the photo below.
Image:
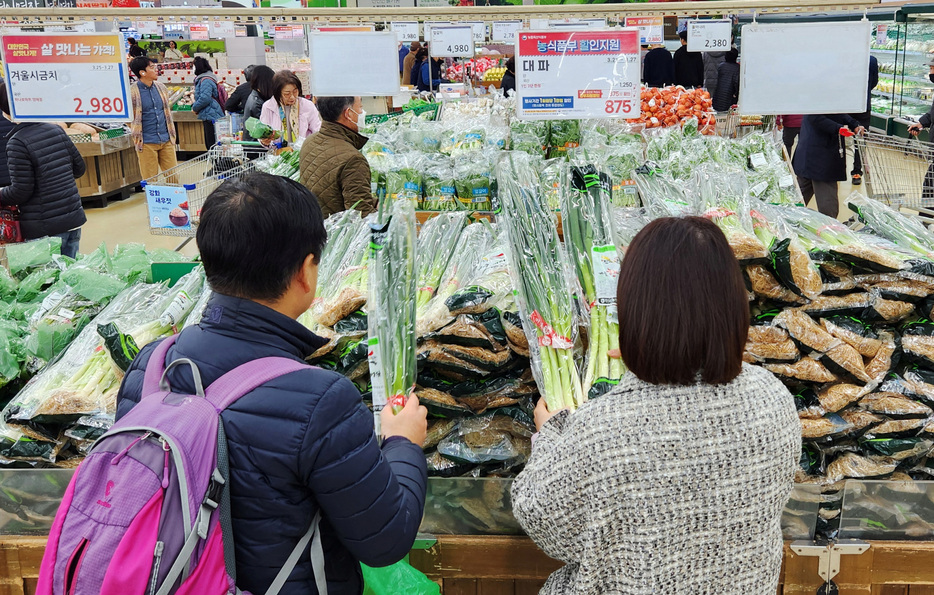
(257, 129)
(398, 579)
(27, 255)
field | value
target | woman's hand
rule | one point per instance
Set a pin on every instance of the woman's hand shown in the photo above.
(542, 414)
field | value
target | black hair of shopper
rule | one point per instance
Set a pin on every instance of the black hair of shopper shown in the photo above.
(4, 100)
(331, 108)
(683, 309)
(256, 232)
(283, 79)
(137, 65)
(732, 55)
(261, 81)
(202, 65)
(131, 40)
(421, 54)
(511, 65)
(683, 35)
(173, 45)
(248, 72)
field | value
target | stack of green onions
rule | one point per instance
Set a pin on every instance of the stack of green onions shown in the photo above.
(436, 242)
(586, 218)
(391, 306)
(540, 271)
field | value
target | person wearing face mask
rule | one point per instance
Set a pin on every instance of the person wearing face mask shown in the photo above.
(331, 164)
(293, 116)
(925, 121)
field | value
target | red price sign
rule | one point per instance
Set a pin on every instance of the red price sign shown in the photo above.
(618, 106)
(99, 105)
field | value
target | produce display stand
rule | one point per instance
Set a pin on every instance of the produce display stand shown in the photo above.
(189, 131)
(112, 170)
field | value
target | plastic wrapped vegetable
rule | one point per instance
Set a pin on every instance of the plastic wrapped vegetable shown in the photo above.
(540, 272)
(906, 231)
(662, 196)
(789, 259)
(472, 181)
(404, 177)
(564, 135)
(529, 136)
(436, 243)
(439, 188)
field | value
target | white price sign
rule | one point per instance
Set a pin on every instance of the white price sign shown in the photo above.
(882, 34)
(199, 32)
(406, 31)
(479, 30)
(506, 30)
(580, 74)
(71, 77)
(452, 42)
(709, 36)
(223, 29)
(651, 29)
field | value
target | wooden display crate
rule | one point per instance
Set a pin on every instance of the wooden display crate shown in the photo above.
(112, 169)
(190, 132)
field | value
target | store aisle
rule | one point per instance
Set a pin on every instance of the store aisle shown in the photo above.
(125, 221)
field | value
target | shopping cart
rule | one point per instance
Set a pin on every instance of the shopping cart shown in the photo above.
(894, 170)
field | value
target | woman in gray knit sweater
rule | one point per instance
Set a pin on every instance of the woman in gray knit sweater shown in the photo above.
(674, 482)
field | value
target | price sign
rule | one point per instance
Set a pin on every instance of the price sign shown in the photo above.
(479, 30)
(148, 28)
(168, 207)
(284, 32)
(199, 32)
(506, 30)
(581, 74)
(452, 42)
(72, 77)
(406, 31)
(651, 29)
(882, 34)
(709, 36)
(223, 29)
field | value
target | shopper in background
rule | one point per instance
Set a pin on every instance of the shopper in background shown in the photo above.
(820, 159)
(304, 442)
(236, 103)
(689, 66)
(703, 488)
(712, 62)
(509, 77)
(658, 68)
(287, 111)
(207, 105)
(926, 121)
(135, 51)
(429, 77)
(415, 76)
(43, 165)
(403, 52)
(865, 120)
(152, 128)
(332, 166)
(727, 93)
(6, 127)
(790, 125)
(408, 62)
(172, 54)
(261, 85)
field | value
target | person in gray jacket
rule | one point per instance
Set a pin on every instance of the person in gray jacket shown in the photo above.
(925, 121)
(674, 481)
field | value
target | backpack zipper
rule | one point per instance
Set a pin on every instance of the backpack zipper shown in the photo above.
(156, 562)
(124, 452)
(74, 565)
(165, 469)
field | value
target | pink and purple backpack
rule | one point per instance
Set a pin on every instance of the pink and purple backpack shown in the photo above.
(148, 511)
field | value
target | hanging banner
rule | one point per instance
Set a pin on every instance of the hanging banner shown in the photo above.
(583, 74)
(72, 77)
(709, 36)
(406, 31)
(505, 31)
(651, 29)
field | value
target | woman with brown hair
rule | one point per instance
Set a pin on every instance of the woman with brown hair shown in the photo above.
(675, 481)
(287, 111)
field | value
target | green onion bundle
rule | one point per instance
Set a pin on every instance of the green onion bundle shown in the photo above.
(436, 244)
(540, 272)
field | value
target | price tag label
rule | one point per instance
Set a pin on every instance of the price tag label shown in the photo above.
(168, 207)
(479, 30)
(223, 29)
(506, 31)
(581, 74)
(406, 31)
(709, 36)
(651, 29)
(199, 32)
(71, 77)
(452, 42)
(882, 34)
(284, 32)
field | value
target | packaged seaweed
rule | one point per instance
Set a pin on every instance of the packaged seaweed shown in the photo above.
(822, 427)
(502, 436)
(440, 404)
(854, 332)
(437, 430)
(806, 369)
(474, 330)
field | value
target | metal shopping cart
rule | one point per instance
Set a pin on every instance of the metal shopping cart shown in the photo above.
(896, 171)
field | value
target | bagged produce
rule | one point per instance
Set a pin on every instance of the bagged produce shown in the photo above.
(440, 193)
(472, 181)
(436, 242)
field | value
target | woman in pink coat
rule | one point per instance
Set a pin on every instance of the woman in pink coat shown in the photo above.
(288, 112)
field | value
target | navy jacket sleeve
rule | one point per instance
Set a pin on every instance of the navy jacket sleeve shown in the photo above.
(873, 72)
(78, 165)
(22, 176)
(831, 124)
(373, 498)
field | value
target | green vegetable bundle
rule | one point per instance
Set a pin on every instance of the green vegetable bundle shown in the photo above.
(436, 243)
(906, 231)
(440, 192)
(472, 181)
(564, 135)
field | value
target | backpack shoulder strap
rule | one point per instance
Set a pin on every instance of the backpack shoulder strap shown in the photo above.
(224, 392)
(156, 366)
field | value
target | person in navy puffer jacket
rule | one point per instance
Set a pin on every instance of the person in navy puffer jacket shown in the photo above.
(303, 442)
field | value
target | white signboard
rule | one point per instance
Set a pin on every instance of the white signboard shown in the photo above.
(199, 32)
(168, 207)
(452, 42)
(709, 36)
(781, 73)
(71, 77)
(479, 30)
(882, 34)
(223, 29)
(147, 28)
(505, 31)
(337, 72)
(583, 74)
(651, 29)
(406, 31)
(386, 3)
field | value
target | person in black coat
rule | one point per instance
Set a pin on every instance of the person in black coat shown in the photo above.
(509, 77)
(237, 100)
(726, 95)
(820, 159)
(43, 165)
(865, 119)
(302, 443)
(6, 127)
(658, 69)
(925, 121)
(689, 66)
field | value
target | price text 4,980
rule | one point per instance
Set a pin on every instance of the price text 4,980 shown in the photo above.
(96, 105)
(456, 48)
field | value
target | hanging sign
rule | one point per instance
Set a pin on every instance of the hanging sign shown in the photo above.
(882, 34)
(406, 31)
(336, 72)
(240, 31)
(72, 77)
(581, 74)
(479, 30)
(709, 36)
(168, 207)
(283, 32)
(651, 29)
(506, 30)
(452, 42)
(198, 32)
(223, 29)
(298, 31)
(148, 28)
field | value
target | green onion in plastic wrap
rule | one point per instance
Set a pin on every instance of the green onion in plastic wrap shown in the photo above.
(540, 271)
(553, 178)
(436, 243)
(342, 288)
(564, 135)
(391, 305)
(662, 196)
(905, 230)
(529, 136)
(472, 181)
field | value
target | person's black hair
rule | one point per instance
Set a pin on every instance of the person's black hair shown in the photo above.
(732, 55)
(131, 40)
(331, 108)
(255, 234)
(283, 79)
(261, 81)
(172, 44)
(511, 65)
(421, 54)
(140, 64)
(202, 65)
(248, 72)
(683, 35)
(4, 100)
